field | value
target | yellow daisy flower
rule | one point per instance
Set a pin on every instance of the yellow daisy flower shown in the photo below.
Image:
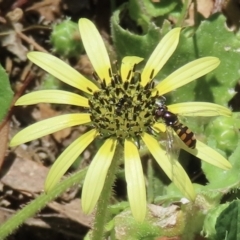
(121, 109)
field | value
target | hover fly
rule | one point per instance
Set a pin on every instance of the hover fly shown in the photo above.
(171, 120)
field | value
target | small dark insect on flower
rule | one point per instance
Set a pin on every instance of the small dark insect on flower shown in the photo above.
(171, 120)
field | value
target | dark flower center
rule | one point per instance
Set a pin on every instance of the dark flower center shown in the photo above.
(123, 109)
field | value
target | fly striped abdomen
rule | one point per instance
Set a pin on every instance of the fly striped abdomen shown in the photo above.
(185, 134)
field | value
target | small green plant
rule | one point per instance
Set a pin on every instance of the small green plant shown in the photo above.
(65, 39)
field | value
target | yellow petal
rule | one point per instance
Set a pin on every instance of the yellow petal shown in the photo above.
(127, 66)
(135, 181)
(204, 109)
(66, 159)
(187, 73)
(95, 48)
(62, 71)
(52, 96)
(208, 155)
(159, 127)
(160, 55)
(49, 126)
(96, 175)
(172, 167)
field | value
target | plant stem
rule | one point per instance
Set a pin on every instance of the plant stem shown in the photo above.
(103, 202)
(150, 175)
(39, 203)
(183, 14)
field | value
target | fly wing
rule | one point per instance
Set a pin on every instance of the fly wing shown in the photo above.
(170, 141)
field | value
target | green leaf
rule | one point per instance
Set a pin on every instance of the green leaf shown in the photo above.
(224, 132)
(221, 180)
(209, 230)
(6, 93)
(211, 39)
(128, 43)
(228, 222)
(144, 11)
